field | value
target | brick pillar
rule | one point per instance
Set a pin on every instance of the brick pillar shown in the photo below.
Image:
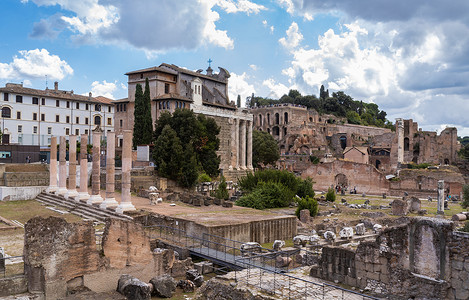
(110, 200)
(62, 168)
(242, 144)
(83, 194)
(95, 171)
(72, 168)
(53, 166)
(126, 201)
(249, 148)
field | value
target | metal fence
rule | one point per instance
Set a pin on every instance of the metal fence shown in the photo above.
(11, 266)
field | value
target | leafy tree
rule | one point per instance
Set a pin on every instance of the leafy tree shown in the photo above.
(168, 154)
(308, 203)
(221, 192)
(305, 188)
(143, 128)
(353, 117)
(265, 149)
(267, 195)
(189, 171)
(464, 152)
(323, 93)
(330, 196)
(465, 196)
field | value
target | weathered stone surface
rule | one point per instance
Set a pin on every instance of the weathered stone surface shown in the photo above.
(181, 266)
(400, 207)
(163, 286)
(133, 288)
(217, 289)
(360, 229)
(278, 244)
(415, 204)
(305, 216)
(346, 233)
(282, 261)
(194, 276)
(186, 285)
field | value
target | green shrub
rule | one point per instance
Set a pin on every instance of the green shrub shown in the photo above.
(267, 195)
(221, 192)
(305, 188)
(330, 196)
(314, 159)
(249, 183)
(465, 196)
(418, 166)
(466, 227)
(203, 177)
(307, 203)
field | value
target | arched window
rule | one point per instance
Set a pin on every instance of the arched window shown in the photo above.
(285, 118)
(6, 112)
(284, 131)
(406, 144)
(277, 118)
(378, 163)
(343, 141)
(97, 120)
(275, 131)
(268, 119)
(260, 120)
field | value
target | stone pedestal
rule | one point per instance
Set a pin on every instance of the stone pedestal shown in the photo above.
(440, 208)
(126, 201)
(62, 168)
(110, 200)
(72, 169)
(83, 192)
(95, 171)
(53, 166)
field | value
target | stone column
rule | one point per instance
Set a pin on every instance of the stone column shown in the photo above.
(72, 168)
(83, 194)
(110, 200)
(242, 145)
(233, 145)
(53, 166)
(62, 167)
(249, 150)
(95, 171)
(400, 141)
(126, 201)
(440, 208)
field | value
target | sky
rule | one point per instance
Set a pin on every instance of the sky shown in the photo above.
(409, 57)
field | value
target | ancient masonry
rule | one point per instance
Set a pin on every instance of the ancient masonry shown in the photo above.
(83, 195)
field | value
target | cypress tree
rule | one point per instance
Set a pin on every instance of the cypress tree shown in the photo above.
(143, 129)
(137, 135)
(146, 119)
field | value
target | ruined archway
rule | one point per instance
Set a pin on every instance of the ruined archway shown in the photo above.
(406, 144)
(277, 118)
(377, 163)
(446, 161)
(341, 180)
(285, 118)
(343, 142)
(275, 131)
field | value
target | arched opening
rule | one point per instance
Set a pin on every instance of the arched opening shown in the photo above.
(6, 112)
(343, 141)
(310, 119)
(260, 129)
(377, 164)
(268, 119)
(285, 118)
(406, 144)
(277, 118)
(282, 149)
(97, 120)
(275, 131)
(284, 131)
(260, 120)
(268, 130)
(341, 180)
(446, 161)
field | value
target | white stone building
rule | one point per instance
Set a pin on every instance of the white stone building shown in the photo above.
(32, 116)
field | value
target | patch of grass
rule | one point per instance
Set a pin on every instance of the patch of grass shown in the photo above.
(26, 209)
(14, 269)
(288, 243)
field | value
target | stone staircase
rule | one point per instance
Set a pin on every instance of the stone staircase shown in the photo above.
(81, 209)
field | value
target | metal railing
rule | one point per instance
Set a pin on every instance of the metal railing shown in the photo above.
(11, 266)
(260, 267)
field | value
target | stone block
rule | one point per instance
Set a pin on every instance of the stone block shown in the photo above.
(369, 267)
(384, 278)
(305, 216)
(457, 265)
(196, 202)
(228, 204)
(360, 266)
(377, 268)
(373, 275)
(462, 294)
(217, 201)
(350, 281)
(466, 265)
(208, 202)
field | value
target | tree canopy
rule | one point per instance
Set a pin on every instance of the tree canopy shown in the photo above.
(339, 104)
(264, 149)
(198, 142)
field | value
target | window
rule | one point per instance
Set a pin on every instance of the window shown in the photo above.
(36, 100)
(121, 142)
(5, 96)
(20, 128)
(125, 106)
(35, 129)
(97, 120)
(18, 115)
(86, 121)
(77, 105)
(117, 107)
(77, 120)
(141, 76)
(86, 131)
(43, 117)
(49, 130)
(97, 107)
(68, 104)
(57, 118)
(109, 121)
(120, 123)
(86, 106)
(19, 99)
(67, 131)
(67, 119)
(35, 116)
(166, 88)
(77, 131)
(108, 109)
(57, 103)
(159, 105)
(6, 112)
(43, 101)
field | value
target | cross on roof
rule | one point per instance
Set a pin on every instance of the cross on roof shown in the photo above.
(209, 62)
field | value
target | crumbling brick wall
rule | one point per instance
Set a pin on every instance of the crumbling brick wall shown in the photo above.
(459, 257)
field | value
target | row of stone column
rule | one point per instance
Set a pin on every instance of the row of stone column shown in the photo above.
(82, 195)
(241, 145)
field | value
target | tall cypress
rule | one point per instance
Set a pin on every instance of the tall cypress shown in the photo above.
(137, 135)
(143, 129)
(147, 125)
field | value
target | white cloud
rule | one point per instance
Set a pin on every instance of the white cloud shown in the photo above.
(182, 24)
(288, 4)
(277, 90)
(239, 85)
(105, 89)
(253, 67)
(264, 22)
(272, 28)
(34, 64)
(293, 38)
